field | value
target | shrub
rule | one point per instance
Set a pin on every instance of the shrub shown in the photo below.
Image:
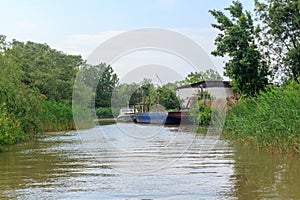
(10, 129)
(104, 112)
(200, 113)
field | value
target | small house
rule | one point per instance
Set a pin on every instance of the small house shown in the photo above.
(217, 89)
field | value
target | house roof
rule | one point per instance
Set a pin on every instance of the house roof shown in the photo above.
(207, 84)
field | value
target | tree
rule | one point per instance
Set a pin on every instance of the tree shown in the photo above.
(281, 34)
(108, 81)
(123, 95)
(50, 71)
(208, 75)
(102, 80)
(22, 103)
(167, 98)
(247, 67)
(145, 93)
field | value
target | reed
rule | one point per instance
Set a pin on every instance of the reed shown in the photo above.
(57, 116)
(271, 120)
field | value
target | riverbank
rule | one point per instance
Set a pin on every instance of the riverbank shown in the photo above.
(106, 121)
(271, 120)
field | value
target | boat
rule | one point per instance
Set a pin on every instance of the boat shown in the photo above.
(151, 117)
(126, 115)
(178, 117)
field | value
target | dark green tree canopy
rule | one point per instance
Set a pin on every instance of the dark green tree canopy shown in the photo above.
(49, 70)
(22, 103)
(108, 81)
(247, 67)
(102, 80)
(167, 98)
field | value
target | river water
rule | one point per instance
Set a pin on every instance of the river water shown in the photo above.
(132, 161)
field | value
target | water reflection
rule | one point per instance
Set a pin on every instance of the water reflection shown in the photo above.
(263, 175)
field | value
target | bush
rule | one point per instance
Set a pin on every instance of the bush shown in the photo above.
(10, 129)
(104, 112)
(200, 113)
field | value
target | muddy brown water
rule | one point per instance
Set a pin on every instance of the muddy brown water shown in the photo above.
(143, 162)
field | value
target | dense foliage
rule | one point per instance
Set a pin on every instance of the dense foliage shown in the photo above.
(107, 112)
(57, 116)
(21, 102)
(48, 70)
(269, 52)
(10, 128)
(36, 85)
(271, 120)
(246, 67)
(102, 81)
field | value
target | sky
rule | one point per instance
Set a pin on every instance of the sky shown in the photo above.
(80, 26)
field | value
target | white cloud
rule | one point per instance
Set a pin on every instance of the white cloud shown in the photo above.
(205, 38)
(84, 44)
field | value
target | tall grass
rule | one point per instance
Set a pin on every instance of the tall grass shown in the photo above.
(270, 120)
(57, 116)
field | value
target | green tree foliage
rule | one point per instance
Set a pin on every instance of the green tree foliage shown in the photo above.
(107, 83)
(49, 70)
(105, 112)
(36, 84)
(127, 95)
(101, 79)
(208, 75)
(145, 93)
(247, 67)
(94, 89)
(22, 102)
(167, 98)
(281, 34)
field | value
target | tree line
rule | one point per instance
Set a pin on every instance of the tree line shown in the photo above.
(37, 84)
(36, 87)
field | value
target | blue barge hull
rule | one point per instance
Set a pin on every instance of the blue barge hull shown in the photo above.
(151, 118)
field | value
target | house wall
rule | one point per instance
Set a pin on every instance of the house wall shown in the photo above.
(186, 93)
(217, 92)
